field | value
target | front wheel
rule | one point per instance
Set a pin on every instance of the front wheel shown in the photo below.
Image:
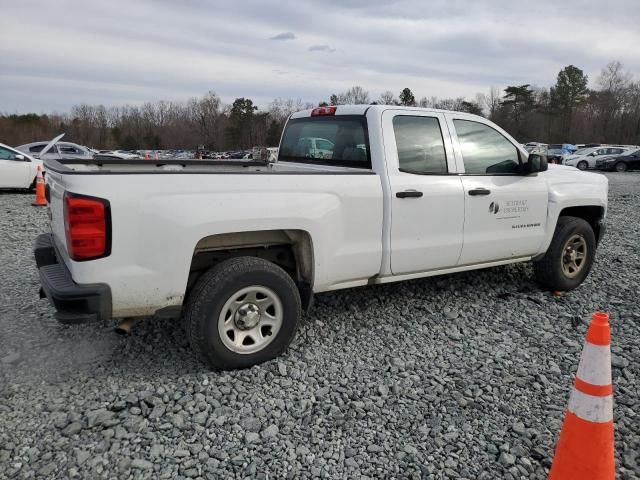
(242, 312)
(621, 167)
(569, 257)
(582, 165)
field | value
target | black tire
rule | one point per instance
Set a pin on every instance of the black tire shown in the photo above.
(621, 167)
(549, 270)
(215, 288)
(582, 165)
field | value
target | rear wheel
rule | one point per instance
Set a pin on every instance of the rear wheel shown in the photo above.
(242, 312)
(569, 257)
(582, 165)
(621, 167)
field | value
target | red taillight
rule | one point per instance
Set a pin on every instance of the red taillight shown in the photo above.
(321, 111)
(86, 224)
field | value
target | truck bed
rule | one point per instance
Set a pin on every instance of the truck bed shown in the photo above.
(193, 166)
(115, 166)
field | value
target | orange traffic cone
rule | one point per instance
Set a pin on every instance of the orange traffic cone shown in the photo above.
(40, 201)
(155, 156)
(146, 155)
(585, 448)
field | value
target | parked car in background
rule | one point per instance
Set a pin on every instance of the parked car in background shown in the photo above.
(315, 147)
(17, 169)
(534, 146)
(557, 152)
(59, 151)
(620, 163)
(587, 157)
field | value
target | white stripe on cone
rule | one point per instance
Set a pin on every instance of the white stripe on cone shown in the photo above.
(591, 408)
(595, 364)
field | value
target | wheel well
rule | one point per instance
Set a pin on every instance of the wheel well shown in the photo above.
(592, 214)
(292, 250)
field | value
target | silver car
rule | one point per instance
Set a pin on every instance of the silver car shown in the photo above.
(58, 151)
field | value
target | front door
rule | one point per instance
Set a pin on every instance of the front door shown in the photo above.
(505, 212)
(14, 173)
(427, 202)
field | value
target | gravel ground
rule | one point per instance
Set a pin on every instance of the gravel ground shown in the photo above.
(464, 376)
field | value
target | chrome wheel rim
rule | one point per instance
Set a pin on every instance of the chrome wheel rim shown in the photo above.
(250, 319)
(620, 167)
(582, 165)
(574, 256)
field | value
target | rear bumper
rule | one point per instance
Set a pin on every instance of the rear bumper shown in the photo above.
(74, 303)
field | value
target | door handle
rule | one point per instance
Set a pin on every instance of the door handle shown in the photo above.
(409, 194)
(479, 191)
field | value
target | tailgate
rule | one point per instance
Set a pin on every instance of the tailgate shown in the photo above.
(55, 193)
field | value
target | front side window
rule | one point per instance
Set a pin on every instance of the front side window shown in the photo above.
(6, 154)
(420, 145)
(332, 140)
(485, 151)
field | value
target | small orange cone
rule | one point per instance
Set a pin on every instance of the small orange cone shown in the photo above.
(585, 448)
(146, 155)
(40, 201)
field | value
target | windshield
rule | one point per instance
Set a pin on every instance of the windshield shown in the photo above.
(585, 151)
(330, 140)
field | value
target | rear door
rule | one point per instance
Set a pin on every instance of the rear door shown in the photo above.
(427, 201)
(505, 212)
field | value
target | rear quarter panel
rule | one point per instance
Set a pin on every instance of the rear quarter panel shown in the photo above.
(158, 219)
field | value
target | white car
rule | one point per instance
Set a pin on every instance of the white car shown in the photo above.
(315, 147)
(17, 169)
(240, 250)
(586, 158)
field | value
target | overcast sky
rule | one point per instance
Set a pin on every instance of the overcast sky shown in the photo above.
(54, 54)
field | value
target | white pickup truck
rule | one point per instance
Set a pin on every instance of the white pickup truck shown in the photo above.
(240, 248)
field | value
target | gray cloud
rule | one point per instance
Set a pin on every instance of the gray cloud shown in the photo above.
(321, 48)
(89, 52)
(283, 36)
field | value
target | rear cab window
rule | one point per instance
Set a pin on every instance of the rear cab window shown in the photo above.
(340, 140)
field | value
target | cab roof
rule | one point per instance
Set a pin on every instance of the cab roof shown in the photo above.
(363, 109)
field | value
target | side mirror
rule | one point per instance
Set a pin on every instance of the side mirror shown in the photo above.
(535, 163)
(20, 157)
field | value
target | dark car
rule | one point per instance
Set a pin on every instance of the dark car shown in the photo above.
(620, 163)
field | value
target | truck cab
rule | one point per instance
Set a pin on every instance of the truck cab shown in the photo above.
(359, 195)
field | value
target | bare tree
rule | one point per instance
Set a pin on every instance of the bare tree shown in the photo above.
(387, 98)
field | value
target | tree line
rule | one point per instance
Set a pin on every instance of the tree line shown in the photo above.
(569, 111)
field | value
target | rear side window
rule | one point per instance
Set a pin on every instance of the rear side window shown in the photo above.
(420, 145)
(484, 150)
(332, 140)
